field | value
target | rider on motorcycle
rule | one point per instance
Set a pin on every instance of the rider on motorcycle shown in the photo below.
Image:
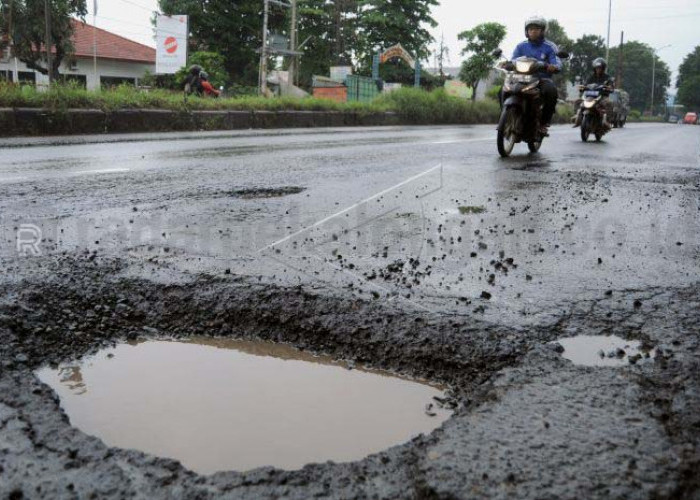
(538, 47)
(599, 77)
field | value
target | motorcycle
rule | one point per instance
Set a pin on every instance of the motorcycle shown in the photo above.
(592, 111)
(521, 104)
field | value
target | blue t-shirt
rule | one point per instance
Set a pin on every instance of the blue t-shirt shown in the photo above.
(542, 50)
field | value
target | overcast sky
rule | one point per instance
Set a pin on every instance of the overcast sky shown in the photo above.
(655, 22)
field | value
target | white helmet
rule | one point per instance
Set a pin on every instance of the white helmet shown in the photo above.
(538, 21)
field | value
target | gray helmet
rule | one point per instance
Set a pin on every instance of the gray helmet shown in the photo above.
(537, 21)
(599, 62)
(203, 75)
(195, 69)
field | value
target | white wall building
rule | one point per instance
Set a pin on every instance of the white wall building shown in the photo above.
(118, 59)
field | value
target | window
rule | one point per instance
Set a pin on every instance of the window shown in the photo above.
(26, 77)
(115, 81)
(79, 80)
(6, 75)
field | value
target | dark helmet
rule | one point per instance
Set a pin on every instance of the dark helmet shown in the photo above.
(195, 69)
(537, 21)
(599, 62)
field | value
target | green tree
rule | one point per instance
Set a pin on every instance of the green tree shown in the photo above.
(338, 31)
(481, 41)
(583, 52)
(690, 66)
(638, 60)
(232, 29)
(329, 29)
(28, 30)
(441, 56)
(689, 92)
(557, 34)
(688, 81)
(383, 23)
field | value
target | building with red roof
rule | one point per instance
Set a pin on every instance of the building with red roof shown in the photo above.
(119, 60)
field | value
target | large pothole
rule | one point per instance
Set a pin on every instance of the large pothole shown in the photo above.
(220, 404)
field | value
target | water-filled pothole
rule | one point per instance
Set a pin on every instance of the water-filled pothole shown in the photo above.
(602, 350)
(219, 404)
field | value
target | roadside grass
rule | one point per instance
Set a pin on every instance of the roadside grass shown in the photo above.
(62, 97)
(422, 107)
(412, 105)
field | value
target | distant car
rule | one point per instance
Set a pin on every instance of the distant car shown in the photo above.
(620, 103)
(690, 118)
(673, 119)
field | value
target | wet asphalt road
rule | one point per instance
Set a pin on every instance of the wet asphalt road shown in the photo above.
(576, 220)
(494, 257)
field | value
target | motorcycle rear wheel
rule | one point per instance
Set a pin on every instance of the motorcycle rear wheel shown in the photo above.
(505, 139)
(586, 126)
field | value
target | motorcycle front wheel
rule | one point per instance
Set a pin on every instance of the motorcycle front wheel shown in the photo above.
(505, 140)
(534, 146)
(586, 126)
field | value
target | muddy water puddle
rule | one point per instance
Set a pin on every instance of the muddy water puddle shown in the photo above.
(217, 404)
(602, 350)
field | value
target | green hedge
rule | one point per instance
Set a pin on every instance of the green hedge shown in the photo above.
(412, 105)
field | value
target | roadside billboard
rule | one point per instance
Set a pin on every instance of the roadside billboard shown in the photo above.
(171, 43)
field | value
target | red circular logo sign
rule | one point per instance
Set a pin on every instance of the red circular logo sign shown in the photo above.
(170, 44)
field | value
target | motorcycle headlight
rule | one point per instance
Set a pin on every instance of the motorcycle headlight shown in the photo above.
(523, 66)
(588, 104)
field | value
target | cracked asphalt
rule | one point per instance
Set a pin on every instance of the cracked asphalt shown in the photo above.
(413, 249)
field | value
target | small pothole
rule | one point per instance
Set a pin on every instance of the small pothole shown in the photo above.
(603, 350)
(222, 404)
(250, 193)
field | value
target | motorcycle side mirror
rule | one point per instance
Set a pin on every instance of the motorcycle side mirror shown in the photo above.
(562, 54)
(497, 53)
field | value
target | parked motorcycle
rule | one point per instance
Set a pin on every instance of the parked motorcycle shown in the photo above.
(592, 111)
(521, 104)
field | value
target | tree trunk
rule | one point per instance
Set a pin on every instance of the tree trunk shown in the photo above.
(474, 86)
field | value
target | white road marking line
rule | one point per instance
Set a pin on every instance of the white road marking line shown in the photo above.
(352, 207)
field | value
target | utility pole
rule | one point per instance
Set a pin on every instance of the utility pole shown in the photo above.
(607, 47)
(94, 45)
(293, 43)
(263, 52)
(266, 51)
(620, 60)
(47, 20)
(10, 29)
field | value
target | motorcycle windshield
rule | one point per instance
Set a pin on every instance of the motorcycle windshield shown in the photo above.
(592, 93)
